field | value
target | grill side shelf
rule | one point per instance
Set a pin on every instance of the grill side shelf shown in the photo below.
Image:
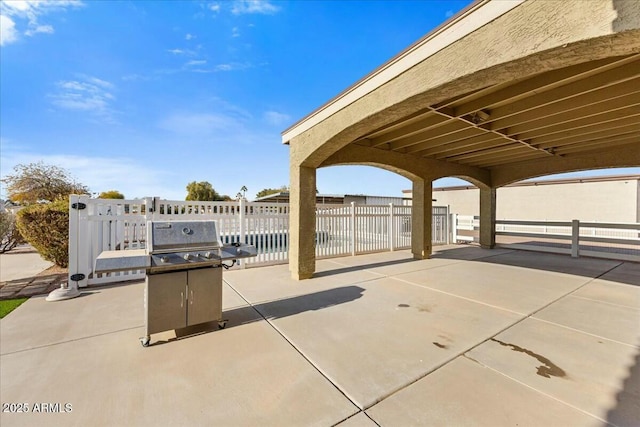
(112, 261)
(229, 252)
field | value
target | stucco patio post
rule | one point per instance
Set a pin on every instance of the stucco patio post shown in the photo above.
(488, 217)
(302, 222)
(421, 218)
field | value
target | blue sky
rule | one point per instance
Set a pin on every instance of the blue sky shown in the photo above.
(144, 97)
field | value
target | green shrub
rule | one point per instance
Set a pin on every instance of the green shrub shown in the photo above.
(46, 228)
(10, 237)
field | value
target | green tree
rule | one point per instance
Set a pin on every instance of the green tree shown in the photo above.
(111, 194)
(267, 191)
(203, 192)
(38, 182)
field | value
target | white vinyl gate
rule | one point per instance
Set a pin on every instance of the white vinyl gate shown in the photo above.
(97, 225)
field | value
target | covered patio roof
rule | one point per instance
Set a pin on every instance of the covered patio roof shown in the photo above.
(593, 106)
(502, 92)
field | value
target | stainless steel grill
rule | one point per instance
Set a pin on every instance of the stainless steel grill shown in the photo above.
(183, 261)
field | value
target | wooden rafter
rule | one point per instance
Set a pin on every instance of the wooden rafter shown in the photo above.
(585, 107)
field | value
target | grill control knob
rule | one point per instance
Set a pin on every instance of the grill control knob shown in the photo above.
(164, 258)
(187, 257)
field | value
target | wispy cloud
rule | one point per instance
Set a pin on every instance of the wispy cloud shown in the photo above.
(138, 77)
(88, 94)
(199, 66)
(96, 81)
(214, 7)
(45, 29)
(235, 32)
(186, 52)
(189, 36)
(204, 124)
(28, 12)
(241, 7)
(8, 32)
(222, 122)
(277, 119)
(195, 62)
(101, 173)
(232, 66)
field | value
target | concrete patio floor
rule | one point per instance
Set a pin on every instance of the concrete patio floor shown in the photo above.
(468, 337)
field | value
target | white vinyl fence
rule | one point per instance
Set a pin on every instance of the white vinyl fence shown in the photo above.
(578, 238)
(359, 229)
(97, 225)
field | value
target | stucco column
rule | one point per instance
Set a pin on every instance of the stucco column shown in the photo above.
(488, 217)
(421, 218)
(302, 222)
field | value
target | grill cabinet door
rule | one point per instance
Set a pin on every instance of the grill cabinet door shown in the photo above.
(204, 295)
(166, 301)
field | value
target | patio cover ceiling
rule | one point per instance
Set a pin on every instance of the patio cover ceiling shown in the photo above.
(586, 108)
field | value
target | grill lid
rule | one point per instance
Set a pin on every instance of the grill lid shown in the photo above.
(171, 236)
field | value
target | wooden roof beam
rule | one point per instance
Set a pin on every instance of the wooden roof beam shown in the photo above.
(443, 139)
(631, 128)
(601, 144)
(568, 122)
(580, 104)
(462, 144)
(503, 160)
(508, 92)
(448, 127)
(427, 124)
(480, 117)
(617, 76)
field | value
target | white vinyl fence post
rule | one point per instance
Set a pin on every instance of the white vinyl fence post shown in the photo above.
(78, 250)
(447, 227)
(353, 228)
(575, 238)
(85, 263)
(454, 228)
(243, 231)
(391, 230)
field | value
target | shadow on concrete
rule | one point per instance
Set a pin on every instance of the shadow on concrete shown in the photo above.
(624, 272)
(611, 270)
(632, 249)
(627, 409)
(273, 310)
(309, 302)
(350, 269)
(31, 286)
(21, 249)
(41, 286)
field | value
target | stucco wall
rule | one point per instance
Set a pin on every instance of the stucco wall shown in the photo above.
(611, 201)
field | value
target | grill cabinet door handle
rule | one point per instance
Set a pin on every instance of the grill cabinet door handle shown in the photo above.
(191, 298)
(181, 299)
